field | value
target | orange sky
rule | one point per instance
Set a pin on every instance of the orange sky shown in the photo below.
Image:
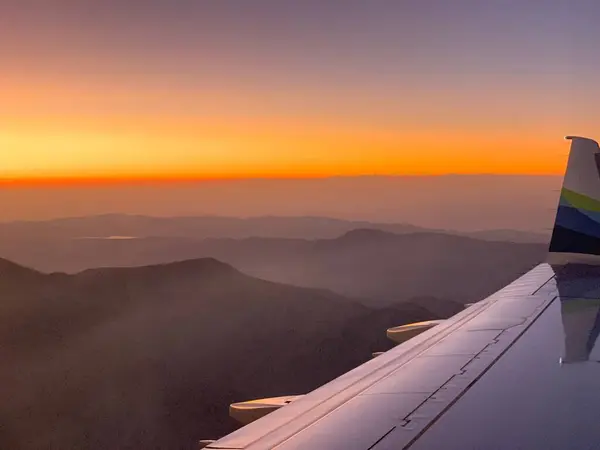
(88, 95)
(191, 147)
(61, 132)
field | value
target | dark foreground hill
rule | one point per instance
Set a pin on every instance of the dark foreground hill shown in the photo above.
(151, 357)
(376, 266)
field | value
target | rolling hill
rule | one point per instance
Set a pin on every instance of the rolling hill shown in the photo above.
(151, 357)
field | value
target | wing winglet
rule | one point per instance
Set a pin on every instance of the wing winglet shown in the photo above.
(576, 233)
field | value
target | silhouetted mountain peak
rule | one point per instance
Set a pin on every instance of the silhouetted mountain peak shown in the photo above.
(201, 267)
(11, 269)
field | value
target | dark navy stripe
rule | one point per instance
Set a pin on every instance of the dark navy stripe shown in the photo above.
(565, 240)
(573, 219)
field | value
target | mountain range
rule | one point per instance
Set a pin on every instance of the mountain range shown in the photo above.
(201, 227)
(374, 266)
(151, 357)
(450, 202)
(121, 339)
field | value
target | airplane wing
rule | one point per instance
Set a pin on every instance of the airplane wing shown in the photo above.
(517, 370)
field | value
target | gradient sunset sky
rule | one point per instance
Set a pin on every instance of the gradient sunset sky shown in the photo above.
(209, 89)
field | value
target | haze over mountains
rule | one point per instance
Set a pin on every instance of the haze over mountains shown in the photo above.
(151, 357)
(376, 266)
(451, 202)
(218, 310)
(201, 227)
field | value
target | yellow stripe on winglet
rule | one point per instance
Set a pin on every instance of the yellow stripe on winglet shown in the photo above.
(580, 201)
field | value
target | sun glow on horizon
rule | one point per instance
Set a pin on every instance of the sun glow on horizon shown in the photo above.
(190, 148)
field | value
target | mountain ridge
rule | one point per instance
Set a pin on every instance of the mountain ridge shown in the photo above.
(151, 357)
(375, 266)
(312, 227)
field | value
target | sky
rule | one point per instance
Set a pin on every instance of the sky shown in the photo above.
(195, 89)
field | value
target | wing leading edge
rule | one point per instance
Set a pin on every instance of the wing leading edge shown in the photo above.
(424, 390)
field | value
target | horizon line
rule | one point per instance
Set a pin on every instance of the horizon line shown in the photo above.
(124, 180)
